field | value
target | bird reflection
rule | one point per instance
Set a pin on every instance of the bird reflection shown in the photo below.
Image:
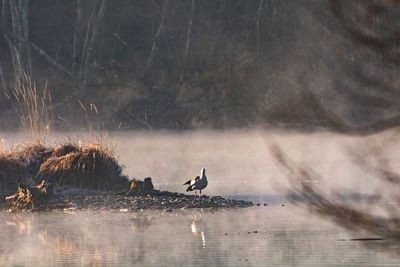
(197, 227)
(203, 239)
(194, 227)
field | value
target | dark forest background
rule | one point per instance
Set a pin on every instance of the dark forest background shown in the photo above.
(188, 64)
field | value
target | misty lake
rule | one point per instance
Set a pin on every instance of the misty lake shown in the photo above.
(259, 236)
(239, 166)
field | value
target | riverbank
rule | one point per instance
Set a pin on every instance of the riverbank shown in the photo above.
(82, 199)
(88, 176)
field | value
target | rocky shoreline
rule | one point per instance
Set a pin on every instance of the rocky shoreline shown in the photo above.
(163, 200)
(88, 176)
(70, 198)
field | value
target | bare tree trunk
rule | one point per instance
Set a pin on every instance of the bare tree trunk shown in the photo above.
(4, 15)
(19, 21)
(82, 66)
(189, 30)
(91, 32)
(117, 34)
(217, 28)
(16, 12)
(5, 19)
(24, 6)
(2, 80)
(160, 27)
(258, 27)
(76, 36)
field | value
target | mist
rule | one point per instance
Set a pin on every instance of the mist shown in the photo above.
(239, 163)
(148, 238)
(290, 104)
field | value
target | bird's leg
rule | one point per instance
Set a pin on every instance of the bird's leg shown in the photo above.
(194, 193)
(200, 193)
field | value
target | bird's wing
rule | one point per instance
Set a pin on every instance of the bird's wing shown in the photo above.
(193, 180)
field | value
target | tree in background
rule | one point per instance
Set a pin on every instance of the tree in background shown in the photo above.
(15, 30)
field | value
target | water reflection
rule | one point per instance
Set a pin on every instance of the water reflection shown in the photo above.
(198, 227)
(254, 236)
(203, 239)
(141, 222)
(22, 226)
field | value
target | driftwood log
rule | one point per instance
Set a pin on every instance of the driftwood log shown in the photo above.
(138, 188)
(29, 197)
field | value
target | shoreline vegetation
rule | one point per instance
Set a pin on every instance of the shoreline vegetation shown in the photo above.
(34, 177)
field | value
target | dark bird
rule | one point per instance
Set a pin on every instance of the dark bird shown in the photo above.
(197, 182)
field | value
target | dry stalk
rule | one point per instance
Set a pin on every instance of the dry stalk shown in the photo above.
(32, 107)
(91, 113)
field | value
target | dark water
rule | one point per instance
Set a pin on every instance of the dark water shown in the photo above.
(260, 236)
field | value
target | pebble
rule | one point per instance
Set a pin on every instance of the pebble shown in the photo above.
(163, 200)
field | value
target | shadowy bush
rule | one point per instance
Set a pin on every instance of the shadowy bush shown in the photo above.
(21, 164)
(10, 173)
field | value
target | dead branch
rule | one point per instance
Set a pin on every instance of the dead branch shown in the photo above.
(91, 32)
(189, 30)
(160, 27)
(41, 52)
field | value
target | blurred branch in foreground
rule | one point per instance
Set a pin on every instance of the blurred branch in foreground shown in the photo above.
(383, 230)
(364, 70)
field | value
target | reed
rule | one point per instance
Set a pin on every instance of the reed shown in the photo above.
(2, 144)
(90, 164)
(32, 106)
(91, 116)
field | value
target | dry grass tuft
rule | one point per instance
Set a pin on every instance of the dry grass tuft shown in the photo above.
(88, 166)
(31, 152)
(63, 150)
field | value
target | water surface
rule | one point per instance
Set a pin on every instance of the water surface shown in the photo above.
(259, 236)
(238, 165)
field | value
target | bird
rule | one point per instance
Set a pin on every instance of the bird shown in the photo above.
(197, 183)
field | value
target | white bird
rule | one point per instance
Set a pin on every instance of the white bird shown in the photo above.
(197, 182)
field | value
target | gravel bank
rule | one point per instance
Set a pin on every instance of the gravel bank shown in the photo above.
(84, 199)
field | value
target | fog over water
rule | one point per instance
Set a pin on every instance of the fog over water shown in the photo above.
(237, 162)
(259, 236)
(238, 165)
